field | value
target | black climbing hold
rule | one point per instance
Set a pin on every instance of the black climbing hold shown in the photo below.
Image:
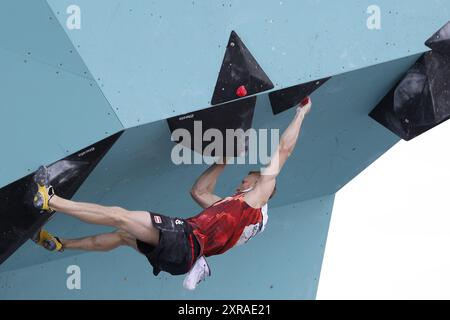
(233, 115)
(239, 68)
(287, 98)
(440, 41)
(19, 220)
(420, 101)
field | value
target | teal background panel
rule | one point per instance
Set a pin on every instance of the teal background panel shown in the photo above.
(283, 262)
(30, 30)
(50, 106)
(46, 116)
(157, 59)
(135, 63)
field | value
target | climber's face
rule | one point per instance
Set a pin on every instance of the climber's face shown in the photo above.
(248, 182)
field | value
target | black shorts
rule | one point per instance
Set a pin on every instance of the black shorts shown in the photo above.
(177, 249)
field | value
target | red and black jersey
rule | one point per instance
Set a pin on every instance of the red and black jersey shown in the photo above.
(228, 222)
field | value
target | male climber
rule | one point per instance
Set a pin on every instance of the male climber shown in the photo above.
(177, 245)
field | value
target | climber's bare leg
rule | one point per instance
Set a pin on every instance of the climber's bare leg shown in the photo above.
(101, 242)
(136, 223)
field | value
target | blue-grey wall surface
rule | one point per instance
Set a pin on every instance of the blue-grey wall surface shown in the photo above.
(50, 106)
(282, 263)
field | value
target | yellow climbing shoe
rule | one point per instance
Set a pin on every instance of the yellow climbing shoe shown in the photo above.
(43, 190)
(48, 241)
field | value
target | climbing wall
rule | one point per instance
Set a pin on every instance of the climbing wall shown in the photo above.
(143, 68)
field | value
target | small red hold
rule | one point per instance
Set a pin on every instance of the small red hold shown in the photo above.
(304, 102)
(241, 91)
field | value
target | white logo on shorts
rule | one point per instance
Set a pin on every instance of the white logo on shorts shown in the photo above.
(157, 219)
(178, 221)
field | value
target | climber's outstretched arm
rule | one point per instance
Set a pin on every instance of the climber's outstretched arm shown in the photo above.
(266, 182)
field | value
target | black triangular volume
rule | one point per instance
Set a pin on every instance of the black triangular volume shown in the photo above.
(284, 99)
(19, 220)
(440, 41)
(419, 101)
(232, 115)
(239, 68)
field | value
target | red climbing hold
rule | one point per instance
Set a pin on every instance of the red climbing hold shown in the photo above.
(241, 91)
(304, 102)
